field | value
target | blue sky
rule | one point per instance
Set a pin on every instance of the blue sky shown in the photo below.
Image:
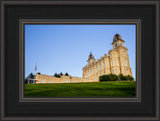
(65, 48)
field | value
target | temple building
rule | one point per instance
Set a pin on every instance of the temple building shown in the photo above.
(116, 62)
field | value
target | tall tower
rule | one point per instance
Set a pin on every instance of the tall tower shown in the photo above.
(119, 57)
(89, 70)
(90, 59)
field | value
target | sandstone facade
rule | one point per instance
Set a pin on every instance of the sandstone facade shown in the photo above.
(117, 62)
(64, 79)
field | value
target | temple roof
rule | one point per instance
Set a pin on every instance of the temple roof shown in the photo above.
(91, 56)
(117, 37)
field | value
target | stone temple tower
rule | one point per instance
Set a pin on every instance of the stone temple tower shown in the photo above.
(91, 59)
(119, 59)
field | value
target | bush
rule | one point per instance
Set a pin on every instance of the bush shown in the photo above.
(121, 77)
(130, 78)
(126, 78)
(104, 78)
(114, 77)
(110, 77)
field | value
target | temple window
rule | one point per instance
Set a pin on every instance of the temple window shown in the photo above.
(91, 71)
(116, 45)
(111, 63)
(117, 62)
(104, 66)
(124, 54)
(125, 62)
(127, 71)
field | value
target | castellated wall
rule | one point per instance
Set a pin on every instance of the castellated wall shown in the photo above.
(63, 79)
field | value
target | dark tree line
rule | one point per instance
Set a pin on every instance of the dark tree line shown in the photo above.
(114, 77)
(57, 75)
(60, 74)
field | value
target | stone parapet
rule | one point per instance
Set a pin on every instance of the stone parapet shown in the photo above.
(64, 79)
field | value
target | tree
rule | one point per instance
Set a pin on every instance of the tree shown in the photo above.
(61, 74)
(110, 77)
(66, 74)
(39, 73)
(121, 77)
(29, 76)
(58, 75)
(55, 75)
(129, 77)
(104, 78)
(113, 77)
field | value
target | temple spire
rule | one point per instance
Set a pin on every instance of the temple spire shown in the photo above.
(91, 58)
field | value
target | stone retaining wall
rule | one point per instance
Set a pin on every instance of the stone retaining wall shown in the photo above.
(63, 79)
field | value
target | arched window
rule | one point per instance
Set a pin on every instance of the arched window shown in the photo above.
(124, 54)
(111, 63)
(104, 66)
(91, 71)
(117, 63)
(94, 69)
(104, 63)
(88, 73)
(125, 62)
(114, 62)
(127, 71)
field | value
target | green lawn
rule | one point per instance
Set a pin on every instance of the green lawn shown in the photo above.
(95, 89)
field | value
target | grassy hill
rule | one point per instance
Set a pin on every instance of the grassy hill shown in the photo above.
(95, 89)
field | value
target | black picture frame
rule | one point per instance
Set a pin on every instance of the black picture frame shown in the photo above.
(15, 107)
(23, 22)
